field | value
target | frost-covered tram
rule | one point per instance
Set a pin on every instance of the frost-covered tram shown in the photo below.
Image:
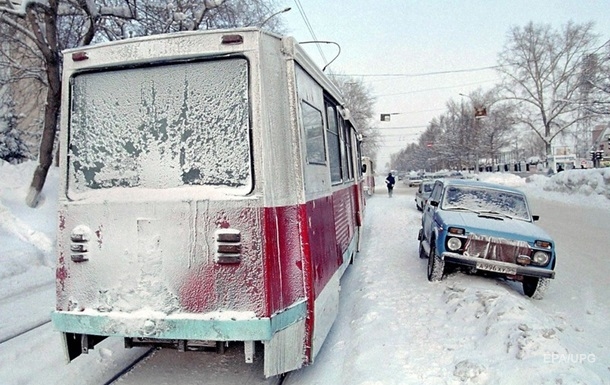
(211, 191)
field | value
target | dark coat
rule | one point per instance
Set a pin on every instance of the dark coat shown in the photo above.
(390, 181)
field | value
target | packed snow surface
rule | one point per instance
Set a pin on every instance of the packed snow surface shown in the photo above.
(393, 327)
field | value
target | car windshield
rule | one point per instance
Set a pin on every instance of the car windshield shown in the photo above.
(486, 201)
(427, 187)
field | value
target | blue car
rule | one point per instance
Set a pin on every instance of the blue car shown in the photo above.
(486, 228)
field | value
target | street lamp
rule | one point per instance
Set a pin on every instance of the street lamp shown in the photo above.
(273, 15)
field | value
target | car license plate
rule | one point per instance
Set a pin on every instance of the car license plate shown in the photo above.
(496, 269)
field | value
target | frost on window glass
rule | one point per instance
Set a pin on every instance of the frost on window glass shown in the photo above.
(334, 154)
(486, 200)
(161, 127)
(314, 133)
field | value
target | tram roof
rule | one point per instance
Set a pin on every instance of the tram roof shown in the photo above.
(290, 46)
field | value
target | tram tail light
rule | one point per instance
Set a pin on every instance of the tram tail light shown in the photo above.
(80, 56)
(232, 39)
(228, 246)
(79, 244)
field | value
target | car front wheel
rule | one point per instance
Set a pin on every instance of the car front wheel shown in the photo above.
(535, 287)
(422, 251)
(436, 265)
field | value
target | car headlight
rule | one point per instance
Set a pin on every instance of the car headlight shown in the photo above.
(540, 258)
(454, 244)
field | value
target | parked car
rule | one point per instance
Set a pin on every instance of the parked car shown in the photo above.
(456, 175)
(413, 181)
(486, 228)
(423, 193)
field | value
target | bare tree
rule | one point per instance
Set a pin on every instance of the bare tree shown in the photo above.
(38, 30)
(540, 68)
(460, 135)
(156, 17)
(360, 102)
(493, 119)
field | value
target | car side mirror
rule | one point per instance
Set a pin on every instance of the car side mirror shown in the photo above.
(364, 168)
(433, 203)
(535, 217)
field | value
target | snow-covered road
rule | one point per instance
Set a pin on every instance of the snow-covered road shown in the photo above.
(394, 327)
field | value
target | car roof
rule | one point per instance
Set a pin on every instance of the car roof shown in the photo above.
(476, 183)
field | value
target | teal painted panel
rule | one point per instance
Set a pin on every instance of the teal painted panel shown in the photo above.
(185, 327)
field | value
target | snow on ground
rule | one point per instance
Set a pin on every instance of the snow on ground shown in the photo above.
(402, 329)
(393, 327)
(27, 235)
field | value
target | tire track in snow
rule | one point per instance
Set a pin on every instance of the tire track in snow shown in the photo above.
(13, 225)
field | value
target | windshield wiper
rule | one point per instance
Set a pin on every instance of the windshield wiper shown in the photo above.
(491, 212)
(461, 208)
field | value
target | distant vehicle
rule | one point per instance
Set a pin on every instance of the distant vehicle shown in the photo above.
(413, 181)
(448, 174)
(423, 193)
(455, 175)
(488, 228)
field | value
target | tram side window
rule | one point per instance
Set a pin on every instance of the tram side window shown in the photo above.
(314, 133)
(347, 153)
(360, 170)
(333, 143)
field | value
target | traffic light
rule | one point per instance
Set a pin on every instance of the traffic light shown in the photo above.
(480, 112)
(592, 155)
(599, 155)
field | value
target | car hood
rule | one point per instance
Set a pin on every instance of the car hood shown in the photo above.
(494, 226)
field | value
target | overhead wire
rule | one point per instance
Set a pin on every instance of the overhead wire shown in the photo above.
(310, 28)
(424, 73)
(436, 88)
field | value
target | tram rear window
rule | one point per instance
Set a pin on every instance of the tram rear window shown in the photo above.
(161, 127)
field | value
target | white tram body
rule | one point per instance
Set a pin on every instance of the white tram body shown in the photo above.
(211, 191)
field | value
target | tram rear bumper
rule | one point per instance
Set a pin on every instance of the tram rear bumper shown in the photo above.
(233, 326)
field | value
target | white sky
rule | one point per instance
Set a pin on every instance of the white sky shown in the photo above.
(417, 37)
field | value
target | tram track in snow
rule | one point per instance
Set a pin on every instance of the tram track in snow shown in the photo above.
(190, 367)
(27, 310)
(25, 331)
(127, 369)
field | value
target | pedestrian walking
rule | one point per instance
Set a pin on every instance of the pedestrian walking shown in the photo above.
(390, 182)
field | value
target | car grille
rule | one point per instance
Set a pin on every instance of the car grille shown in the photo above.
(497, 249)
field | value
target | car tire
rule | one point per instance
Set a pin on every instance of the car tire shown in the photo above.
(534, 287)
(436, 265)
(422, 251)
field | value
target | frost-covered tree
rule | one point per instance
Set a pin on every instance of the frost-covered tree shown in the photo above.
(12, 147)
(38, 30)
(541, 70)
(493, 120)
(360, 102)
